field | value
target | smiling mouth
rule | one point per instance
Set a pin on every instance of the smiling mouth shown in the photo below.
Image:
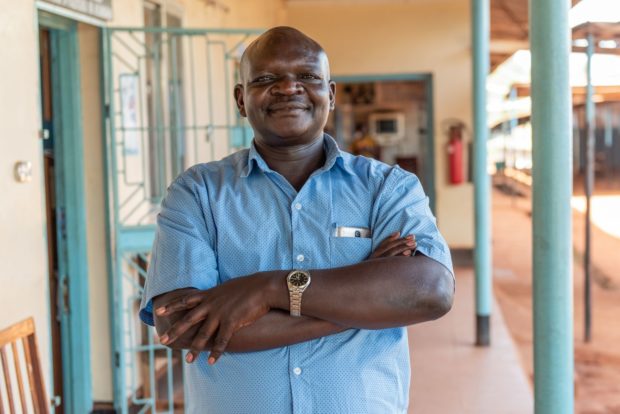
(287, 107)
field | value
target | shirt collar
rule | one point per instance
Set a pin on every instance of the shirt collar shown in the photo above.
(333, 155)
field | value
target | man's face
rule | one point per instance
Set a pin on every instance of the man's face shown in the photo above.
(286, 95)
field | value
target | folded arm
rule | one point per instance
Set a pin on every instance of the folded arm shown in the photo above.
(375, 294)
(276, 328)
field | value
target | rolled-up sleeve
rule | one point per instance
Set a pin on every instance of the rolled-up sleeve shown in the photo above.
(402, 205)
(183, 255)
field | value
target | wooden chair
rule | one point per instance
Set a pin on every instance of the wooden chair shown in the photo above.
(21, 340)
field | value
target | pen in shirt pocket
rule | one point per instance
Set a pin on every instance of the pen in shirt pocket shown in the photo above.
(359, 232)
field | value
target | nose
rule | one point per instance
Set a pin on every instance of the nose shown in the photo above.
(287, 86)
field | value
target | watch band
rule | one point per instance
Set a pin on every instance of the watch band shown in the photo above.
(295, 301)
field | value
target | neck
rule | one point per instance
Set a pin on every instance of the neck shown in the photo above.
(296, 162)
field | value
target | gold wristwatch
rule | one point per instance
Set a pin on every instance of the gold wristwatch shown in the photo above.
(297, 281)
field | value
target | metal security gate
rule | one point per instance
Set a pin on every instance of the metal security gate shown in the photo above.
(168, 105)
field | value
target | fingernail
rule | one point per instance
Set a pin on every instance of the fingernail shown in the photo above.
(407, 252)
(410, 237)
(211, 360)
(164, 339)
(189, 357)
(396, 234)
(410, 243)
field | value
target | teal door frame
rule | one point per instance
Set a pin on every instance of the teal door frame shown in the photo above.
(427, 78)
(72, 301)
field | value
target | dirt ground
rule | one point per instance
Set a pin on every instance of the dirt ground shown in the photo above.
(597, 364)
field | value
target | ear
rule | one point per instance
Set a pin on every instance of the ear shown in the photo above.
(332, 95)
(239, 99)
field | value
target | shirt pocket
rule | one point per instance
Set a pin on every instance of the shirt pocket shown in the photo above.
(346, 251)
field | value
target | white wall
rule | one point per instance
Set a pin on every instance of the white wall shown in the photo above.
(406, 37)
(23, 248)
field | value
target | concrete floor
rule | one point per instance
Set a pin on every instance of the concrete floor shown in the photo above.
(449, 375)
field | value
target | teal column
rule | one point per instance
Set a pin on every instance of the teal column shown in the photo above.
(551, 210)
(482, 183)
(589, 186)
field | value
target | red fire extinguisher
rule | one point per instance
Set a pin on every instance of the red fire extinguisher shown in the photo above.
(456, 173)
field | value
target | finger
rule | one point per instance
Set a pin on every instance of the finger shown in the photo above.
(201, 340)
(400, 249)
(390, 238)
(221, 342)
(181, 326)
(184, 302)
(381, 252)
(383, 246)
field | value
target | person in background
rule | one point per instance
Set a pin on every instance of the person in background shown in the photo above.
(364, 144)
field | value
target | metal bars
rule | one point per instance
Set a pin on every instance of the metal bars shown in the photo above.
(168, 106)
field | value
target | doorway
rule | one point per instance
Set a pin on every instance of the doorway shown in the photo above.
(390, 118)
(61, 134)
(50, 209)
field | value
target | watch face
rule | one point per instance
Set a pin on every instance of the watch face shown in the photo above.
(298, 279)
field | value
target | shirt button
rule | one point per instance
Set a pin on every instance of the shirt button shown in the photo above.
(297, 371)
(300, 257)
(298, 206)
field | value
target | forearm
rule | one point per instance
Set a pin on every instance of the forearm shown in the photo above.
(276, 329)
(376, 294)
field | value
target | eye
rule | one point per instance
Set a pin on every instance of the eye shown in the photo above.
(309, 76)
(263, 79)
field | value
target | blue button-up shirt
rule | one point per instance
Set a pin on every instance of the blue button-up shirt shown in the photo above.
(234, 217)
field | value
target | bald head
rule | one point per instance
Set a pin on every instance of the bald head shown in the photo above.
(285, 90)
(269, 44)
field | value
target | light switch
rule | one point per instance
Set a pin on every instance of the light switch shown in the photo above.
(23, 171)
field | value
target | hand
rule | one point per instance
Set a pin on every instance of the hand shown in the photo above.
(395, 245)
(221, 311)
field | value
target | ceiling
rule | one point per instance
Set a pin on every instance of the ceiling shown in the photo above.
(509, 28)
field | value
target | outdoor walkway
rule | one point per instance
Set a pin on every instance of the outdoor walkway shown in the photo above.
(597, 364)
(449, 375)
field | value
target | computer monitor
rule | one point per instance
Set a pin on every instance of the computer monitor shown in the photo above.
(387, 127)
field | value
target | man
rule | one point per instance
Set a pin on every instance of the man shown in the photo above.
(260, 258)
